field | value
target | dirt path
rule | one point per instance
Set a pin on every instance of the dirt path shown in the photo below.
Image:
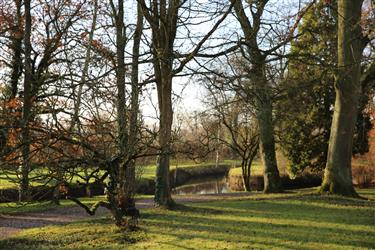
(12, 224)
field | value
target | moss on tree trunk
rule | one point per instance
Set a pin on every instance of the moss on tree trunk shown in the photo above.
(338, 175)
(163, 196)
(272, 181)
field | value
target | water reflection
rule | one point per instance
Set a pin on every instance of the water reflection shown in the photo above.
(212, 185)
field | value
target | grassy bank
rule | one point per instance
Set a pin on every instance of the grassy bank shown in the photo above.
(297, 220)
(13, 207)
(146, 172)
(146, 184)
(256, 169)
(303, 180)
(29, 207)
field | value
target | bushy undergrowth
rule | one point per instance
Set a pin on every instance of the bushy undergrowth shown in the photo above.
(363, 175)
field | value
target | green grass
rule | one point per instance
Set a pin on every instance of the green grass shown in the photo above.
(10, 180)
(14, 208)
(5, 181)
(27, 207)
(256, 169)
(297, 220)
(148, 171)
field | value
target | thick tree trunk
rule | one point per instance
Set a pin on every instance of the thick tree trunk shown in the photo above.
(120, 78)
(267, 149)
(272, 182)
(162, 184)
(338, 175)
(164, 27)
(261, 94)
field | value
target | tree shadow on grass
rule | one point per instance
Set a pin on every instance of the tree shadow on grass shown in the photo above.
(178, 246)
(25, 222)
(23, 243)
(285, 222)
(329, 209)
(295, 222)
(260, 232)
(194, 209)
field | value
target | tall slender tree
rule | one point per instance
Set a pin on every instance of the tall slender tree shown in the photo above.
(257, 85)
(16, 47)
(133, 131)
(163, 17)
(27, 105)
(261, 86)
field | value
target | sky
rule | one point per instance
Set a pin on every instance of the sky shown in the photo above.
(190, 91)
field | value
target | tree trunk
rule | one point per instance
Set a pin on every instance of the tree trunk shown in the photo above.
(85, 70)
(164, 27)
(272, 182)
(246, 175)
(262, 92)
(338, 174)
(163, 17)
(27, 104)
(234, 125)
(162, 184)
(121, 187)
(16, 47)
(133, 123)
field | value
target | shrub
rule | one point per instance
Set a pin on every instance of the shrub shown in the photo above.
(363, 175)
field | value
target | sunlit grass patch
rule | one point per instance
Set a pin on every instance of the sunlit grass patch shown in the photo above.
(295, 220)
(148, 171)
(82, 235)
(256, 169)
(26, 207)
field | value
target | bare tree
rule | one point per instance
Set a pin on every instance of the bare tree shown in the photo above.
(240, 131)
(163, 17)
(258, 85)
(119, 165)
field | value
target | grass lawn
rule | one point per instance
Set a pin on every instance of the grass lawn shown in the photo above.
(298, 220)
(27, 207)
(13, 207)
(146, 172)
(11, 180)
(256, 169)
(5, 181)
